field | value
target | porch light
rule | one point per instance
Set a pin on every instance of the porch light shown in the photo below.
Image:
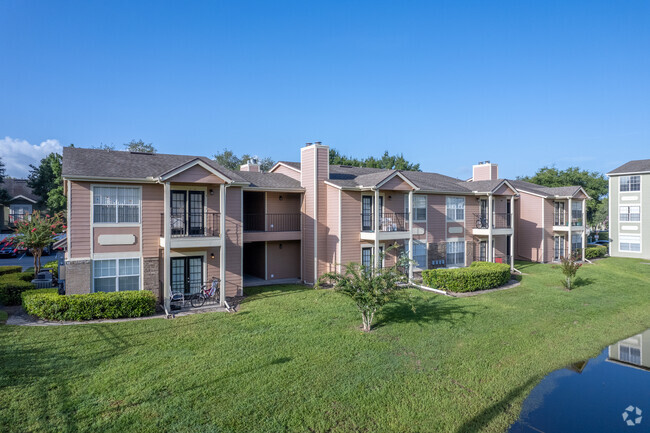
(211, 191)
(280, 198)
(212, 256)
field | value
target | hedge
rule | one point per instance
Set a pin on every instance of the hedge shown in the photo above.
(10, 269)
(12, 285)
(594, 252)
(478, 276)
(54, 265)
(48, 304)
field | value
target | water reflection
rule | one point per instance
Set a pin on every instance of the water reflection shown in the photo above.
(608, 393)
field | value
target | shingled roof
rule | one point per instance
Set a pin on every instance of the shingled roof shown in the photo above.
(16, 187)
(545, 191)
(637, 166)
(99, 163)
(270, 180)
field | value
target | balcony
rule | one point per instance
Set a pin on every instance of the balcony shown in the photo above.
(561, 221)
(272, 222)
(261, 227)
(391, 225)
(192, 229)
(501, 224)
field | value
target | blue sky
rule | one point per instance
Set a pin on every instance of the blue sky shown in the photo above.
(524, 84)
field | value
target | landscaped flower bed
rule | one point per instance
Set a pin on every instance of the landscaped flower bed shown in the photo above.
(478, 276)
(48, 304)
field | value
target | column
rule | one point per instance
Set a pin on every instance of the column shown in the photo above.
(584, 228)
(167, 234)
(490, 255)
(570, 220)
(376, 227)
(410, 208)
(222, 248)
(512, 236)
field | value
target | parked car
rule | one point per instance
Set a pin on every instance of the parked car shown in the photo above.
(602, 242)
(7, 249)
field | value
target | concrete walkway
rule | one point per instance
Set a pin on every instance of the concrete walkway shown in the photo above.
(510, 285)
(18, 316)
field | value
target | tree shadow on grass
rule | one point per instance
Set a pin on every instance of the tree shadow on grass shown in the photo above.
(581, 282)
(480, 421)
(429, 310)
(265, 292)
(524, 266)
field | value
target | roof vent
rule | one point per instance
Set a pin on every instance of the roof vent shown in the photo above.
(140, 153)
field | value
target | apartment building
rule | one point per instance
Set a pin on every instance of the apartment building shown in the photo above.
(629, 210)
(165, 223)
(22, 202)
(551, 222)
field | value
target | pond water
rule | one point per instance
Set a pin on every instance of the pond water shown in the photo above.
(609, 393)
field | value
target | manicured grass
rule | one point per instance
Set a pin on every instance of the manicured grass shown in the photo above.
(3, 317)
(294, 359)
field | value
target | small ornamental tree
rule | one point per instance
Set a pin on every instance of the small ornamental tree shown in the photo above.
(570, 268)
(369, 288)
(36, 233)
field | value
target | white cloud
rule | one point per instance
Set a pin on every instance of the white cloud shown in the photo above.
(18, 154)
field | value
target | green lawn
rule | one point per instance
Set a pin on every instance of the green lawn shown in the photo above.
(294, 359)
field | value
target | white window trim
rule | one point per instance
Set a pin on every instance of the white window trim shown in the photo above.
(456, 265)
(620, 241)
(620, 183)
(116, 259)
(629, 213)
(455, 220)
(426, 204)
(115, 224)
(382, 249)
(426, 254)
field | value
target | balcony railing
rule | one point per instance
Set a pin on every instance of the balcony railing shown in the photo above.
(18, 217)
(191, 224)
(272, 222)
(560, 219)
(388, 222)
(576, 222)
(499, 221)
(480, 256)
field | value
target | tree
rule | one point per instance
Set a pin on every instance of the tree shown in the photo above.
(45, 181)
(600, 218)
(369, 288)
(594, 183)
(101, 146)
(36, 233)
(228, 159)
(139, 146)
(570, 268)
(4, 195)
(387, 161)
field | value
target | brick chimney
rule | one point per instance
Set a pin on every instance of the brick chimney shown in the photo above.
(252, 165)
(485, 170)
(314, 165)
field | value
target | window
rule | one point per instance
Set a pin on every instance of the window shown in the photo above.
(630, 213)
(456, 253)
(116, 204)
(630, 183)
(420, 254)
(366, 257)
(576, 242)
(630, 243)
(576, 213)
(19, 212)
(455, 209)
(116, 275)
(419, 207)
(630, 354)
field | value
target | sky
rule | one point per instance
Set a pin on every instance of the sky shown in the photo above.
(446, 83)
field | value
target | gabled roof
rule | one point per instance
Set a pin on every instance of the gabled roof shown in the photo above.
(114, 164)
(545, 191)
(17, 188)
(633, 167)
(270, 180)
(292, 165)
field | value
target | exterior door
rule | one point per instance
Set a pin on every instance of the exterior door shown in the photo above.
(559, 248)
(484, 214)
(560, 218)
(195, 213)
(366, 213)
(178, 213)
(186, 274)
(482, 251)
(366, 257)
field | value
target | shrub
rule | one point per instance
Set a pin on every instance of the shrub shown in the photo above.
(596, 251)
(570, 268)
(478, 276)
(12, 285)
(48, 304)
(4, 270)
(54, 265)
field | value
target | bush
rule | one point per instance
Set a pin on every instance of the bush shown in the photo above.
(12, 285)
(603, 236)
(478, 276)
(4, 270)
(48, 304)
(594, 252)
(54, 265)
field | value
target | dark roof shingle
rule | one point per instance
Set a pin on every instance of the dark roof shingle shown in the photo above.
(636, 166)
(16, 187)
